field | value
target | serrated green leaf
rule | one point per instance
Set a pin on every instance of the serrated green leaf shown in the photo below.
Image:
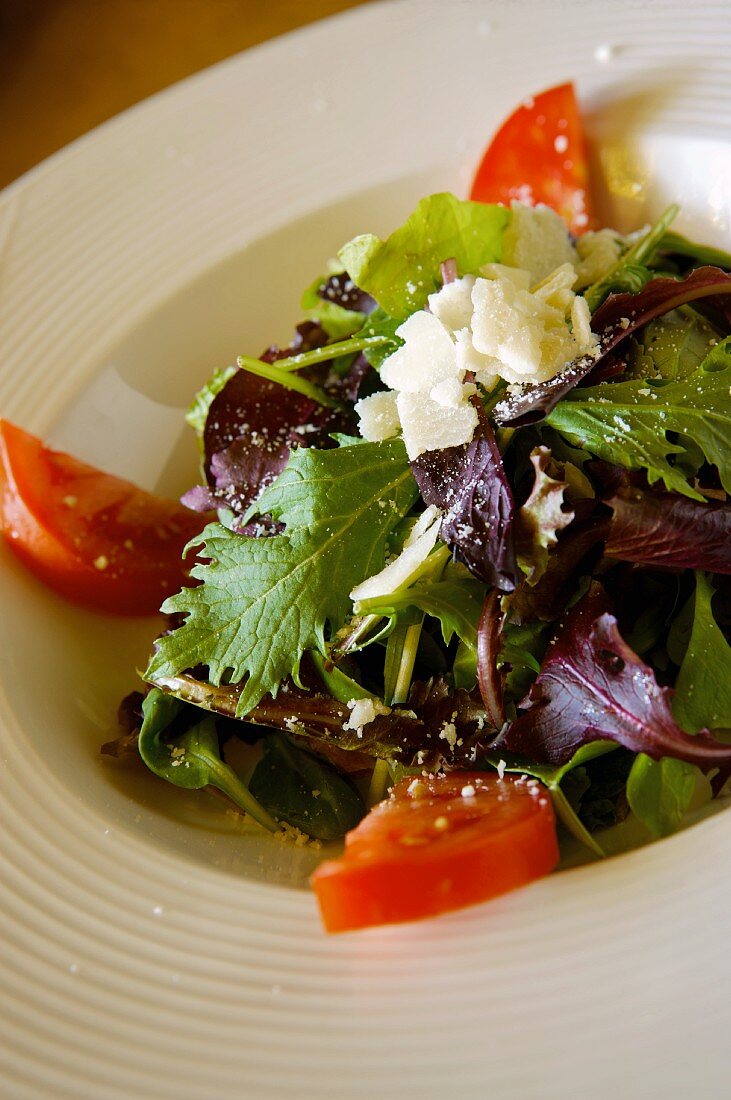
(402, 270)
(264, 601)
(626, 422)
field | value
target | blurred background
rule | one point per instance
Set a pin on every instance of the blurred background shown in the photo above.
(67, 65)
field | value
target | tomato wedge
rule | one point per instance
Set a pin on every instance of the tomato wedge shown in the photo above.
(436, 844)
(93, 538)
(539, 155)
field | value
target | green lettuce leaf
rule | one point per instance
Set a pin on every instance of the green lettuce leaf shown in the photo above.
(659, 792)
(455, 599)
(304, 791)
(264, 601)
(402, 270)
(191, 759)
(626, 422)
(703, 687)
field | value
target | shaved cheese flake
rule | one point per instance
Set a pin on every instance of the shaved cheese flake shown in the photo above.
(378, 416)
(453, 303)
(429, 426)
(427, 356)
(401, 570)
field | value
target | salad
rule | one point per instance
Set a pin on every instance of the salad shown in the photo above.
(453, 585)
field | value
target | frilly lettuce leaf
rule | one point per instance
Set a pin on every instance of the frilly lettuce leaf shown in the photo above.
(402, 270)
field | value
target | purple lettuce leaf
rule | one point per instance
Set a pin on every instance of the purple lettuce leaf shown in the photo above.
(668, 531)
(614, 321)
(577, 549)
(252, 425)
(342, 291)
(470, 485)
(308, 715)
(591, 687)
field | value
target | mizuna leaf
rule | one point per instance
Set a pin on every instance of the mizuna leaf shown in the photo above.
(591, 687)
(614, 321)
(264, 601)
(470, 485)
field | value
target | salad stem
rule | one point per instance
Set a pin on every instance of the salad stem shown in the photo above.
(640, 251)
(380, 779)
(330, 351)
(403, 644)
(274, 373)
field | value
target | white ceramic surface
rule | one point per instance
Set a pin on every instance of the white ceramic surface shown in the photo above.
(151, 950)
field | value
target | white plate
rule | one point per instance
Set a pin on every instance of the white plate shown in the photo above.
(146, 953)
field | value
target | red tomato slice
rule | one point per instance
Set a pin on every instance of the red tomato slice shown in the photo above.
(539, 155)
(93, 538)
(435, 845)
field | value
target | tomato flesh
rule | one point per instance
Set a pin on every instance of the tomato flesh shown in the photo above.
(437, 844)
(539, 155)
(92, 537)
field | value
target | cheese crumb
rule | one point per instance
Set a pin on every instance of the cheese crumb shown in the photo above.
(448, 733)
(362, 713)
(469, 791)
(502, 765)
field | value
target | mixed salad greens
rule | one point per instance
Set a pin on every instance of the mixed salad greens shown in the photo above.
(471, 526)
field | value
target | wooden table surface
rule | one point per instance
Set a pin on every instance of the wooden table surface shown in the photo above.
(67, 65)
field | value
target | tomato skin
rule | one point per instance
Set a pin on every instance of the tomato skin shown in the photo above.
(95, 539)
(539, 155)
(398, 865)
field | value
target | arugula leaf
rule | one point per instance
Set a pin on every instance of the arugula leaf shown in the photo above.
(591, 687)
(198, 411)
(380, 325)
(298, 788)
(191, 759)
(403, 270)
(264, 601)
(703, 687)
(660, 791)
(676, 245)
(673, 346)
(626, 422)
